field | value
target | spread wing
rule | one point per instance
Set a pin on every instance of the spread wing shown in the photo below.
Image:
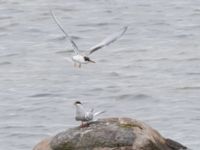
(108, 40)
(62, 29)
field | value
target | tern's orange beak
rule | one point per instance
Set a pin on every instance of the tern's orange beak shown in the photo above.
(92, 61)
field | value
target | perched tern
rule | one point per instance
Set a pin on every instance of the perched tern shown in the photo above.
(79, 58)
(84, 116)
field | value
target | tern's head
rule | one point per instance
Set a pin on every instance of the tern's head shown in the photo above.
(77, 103)
(88, 59)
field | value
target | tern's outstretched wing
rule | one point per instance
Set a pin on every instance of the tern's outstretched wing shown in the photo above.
(62, 29)
(107, 41)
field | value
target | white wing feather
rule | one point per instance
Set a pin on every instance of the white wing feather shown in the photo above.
(108, 41)
(62, 29)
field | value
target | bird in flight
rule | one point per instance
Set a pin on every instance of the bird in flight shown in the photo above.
(79, 58)
(83, 115)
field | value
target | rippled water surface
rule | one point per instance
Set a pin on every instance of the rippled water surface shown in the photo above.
(152, 73)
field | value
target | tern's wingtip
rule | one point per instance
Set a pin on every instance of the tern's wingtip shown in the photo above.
(125, 28)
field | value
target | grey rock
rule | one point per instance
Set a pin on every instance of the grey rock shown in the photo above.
(112, 134)
(43, 145)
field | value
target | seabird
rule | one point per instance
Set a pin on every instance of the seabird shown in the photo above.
(79, 58)
(83, 115)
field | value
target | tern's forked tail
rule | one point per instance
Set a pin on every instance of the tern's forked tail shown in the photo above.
(98, 113)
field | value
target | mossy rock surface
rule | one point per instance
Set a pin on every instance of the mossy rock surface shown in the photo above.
(113, 134)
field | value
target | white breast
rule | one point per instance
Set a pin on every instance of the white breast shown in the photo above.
(80, 112)
(79, 59)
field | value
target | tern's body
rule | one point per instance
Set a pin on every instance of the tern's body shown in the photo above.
(84, 59)
(84, 116)
(79, 59)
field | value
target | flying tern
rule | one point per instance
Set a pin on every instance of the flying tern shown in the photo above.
(83, 115)
(79, 58)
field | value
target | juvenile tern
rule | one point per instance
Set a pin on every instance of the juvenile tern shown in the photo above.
(83, 115)
(79, 58)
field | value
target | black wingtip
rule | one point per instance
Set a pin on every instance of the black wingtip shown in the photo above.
(125, 28)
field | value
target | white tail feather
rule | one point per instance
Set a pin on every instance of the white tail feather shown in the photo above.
(98, 113)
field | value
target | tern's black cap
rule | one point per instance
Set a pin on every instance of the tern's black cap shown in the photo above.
(77, 102)
(86, 58)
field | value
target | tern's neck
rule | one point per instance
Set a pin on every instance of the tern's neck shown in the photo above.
(79, 108)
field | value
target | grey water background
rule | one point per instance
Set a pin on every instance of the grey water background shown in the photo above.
(152, 73)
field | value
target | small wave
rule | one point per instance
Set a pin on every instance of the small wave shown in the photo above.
(130, 76)
(182, 53)
(9, 55)
(65, 51)
(161, 59)
(189, 88)
(108, 11)
(103, 60)
(197, 10)
(35, 30)
(16, 127)
(132, 97)
(161, 24)
(114, 74)
(62, 38)
(101, 24)
(43, 95)
(57, 38)
(67, 9)
(131, 51)
(97, 89)
(76, 37)
(185, 59)
(111, 86)
(195, 13)
(25, 135)
(183, 35)
(95, 24)
(126, 66)
(5, 63)
(5, 17)
(141, 96)
(193, 59)
(144, 5)
(193, 73)
(158, 59)
(13, 24)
